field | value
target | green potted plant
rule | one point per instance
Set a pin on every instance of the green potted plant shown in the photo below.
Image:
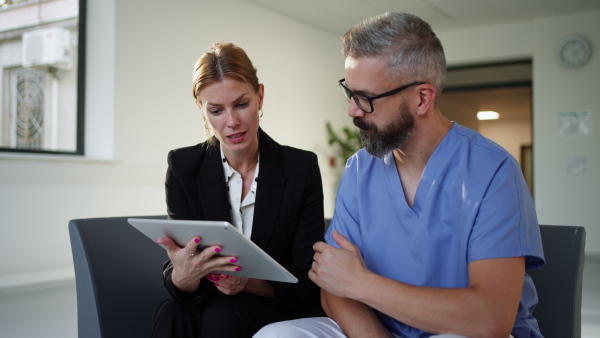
(345, 144)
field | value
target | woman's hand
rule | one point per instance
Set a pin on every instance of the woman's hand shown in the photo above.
(191, 265)
(229, 285)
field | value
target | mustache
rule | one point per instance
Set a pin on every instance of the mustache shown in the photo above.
(361, 124)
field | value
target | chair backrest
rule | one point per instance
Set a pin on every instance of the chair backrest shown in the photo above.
(558, 284)
(118, 277)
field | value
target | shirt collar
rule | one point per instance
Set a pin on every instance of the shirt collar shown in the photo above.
(229, 171)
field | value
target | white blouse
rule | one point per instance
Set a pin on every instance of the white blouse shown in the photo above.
(242, 212)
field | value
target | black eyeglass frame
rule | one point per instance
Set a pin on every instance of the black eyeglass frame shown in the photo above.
(350, 94)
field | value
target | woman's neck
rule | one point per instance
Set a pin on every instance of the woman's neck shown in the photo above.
(242, 161)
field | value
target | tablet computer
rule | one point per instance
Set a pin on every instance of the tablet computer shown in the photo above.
(254, 261)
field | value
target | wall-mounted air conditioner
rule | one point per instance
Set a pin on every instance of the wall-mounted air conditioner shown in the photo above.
(47, 47)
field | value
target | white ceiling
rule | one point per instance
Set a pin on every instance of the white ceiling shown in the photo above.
(337, 16)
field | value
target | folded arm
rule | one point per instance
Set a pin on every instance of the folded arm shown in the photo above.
(487, 307)
(355, 318)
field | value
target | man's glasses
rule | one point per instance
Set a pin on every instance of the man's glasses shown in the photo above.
(364, 102)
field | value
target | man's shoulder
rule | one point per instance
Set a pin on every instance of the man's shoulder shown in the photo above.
(465, 138)
(362, 167)
(474, 158)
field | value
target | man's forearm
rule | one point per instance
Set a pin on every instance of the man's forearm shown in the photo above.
(355, 318)
(487, 308)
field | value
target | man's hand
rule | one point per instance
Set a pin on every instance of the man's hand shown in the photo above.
(337, 270)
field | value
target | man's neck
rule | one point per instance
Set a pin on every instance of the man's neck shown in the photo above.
(413, 156)
(419, 147)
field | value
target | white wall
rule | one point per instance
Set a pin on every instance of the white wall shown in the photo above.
(139, 62)
(560, 197)
(565, 198)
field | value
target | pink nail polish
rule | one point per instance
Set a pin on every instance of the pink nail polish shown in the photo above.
(233, 260)
(217, 250)
(196, 240)
(238, 269)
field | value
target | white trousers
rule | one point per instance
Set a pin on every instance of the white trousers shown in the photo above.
(317, 327)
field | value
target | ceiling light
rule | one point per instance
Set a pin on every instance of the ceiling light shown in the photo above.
(487, 115)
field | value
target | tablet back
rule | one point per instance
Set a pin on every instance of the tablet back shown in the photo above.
(254, 261)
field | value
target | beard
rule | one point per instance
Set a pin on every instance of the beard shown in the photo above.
(379, 142)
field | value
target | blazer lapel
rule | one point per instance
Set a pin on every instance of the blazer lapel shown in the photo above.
(212, 188)
(271, 184)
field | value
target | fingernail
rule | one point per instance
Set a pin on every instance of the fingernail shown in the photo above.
(233, 260)
(217, 250)
(238, 269)
(196, 240)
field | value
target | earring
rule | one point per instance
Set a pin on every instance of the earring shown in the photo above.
(260, 114)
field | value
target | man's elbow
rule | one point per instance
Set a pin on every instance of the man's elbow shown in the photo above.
(500, 332)
(495, 327)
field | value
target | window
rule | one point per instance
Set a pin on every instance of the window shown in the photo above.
(41, 76)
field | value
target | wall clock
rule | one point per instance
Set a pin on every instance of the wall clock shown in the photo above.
(574, 51)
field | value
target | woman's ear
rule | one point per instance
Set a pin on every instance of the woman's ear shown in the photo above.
(261, 95)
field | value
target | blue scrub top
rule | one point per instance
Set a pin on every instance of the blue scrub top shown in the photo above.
(472, 203)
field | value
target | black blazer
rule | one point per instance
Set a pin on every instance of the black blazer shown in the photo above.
(288, 211)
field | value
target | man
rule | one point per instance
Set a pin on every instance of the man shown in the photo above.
(434, 225)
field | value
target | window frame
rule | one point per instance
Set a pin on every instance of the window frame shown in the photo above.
(80, 95)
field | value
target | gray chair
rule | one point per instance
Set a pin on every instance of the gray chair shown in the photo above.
(118, 277)
(558, 284)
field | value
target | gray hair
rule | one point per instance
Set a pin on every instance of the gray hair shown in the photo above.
(411, 47)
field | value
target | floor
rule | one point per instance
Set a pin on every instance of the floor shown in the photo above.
(51, 312)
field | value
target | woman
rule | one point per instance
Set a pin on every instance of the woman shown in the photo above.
(272, 193)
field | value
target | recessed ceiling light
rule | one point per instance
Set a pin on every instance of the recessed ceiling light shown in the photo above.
(487, 115)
